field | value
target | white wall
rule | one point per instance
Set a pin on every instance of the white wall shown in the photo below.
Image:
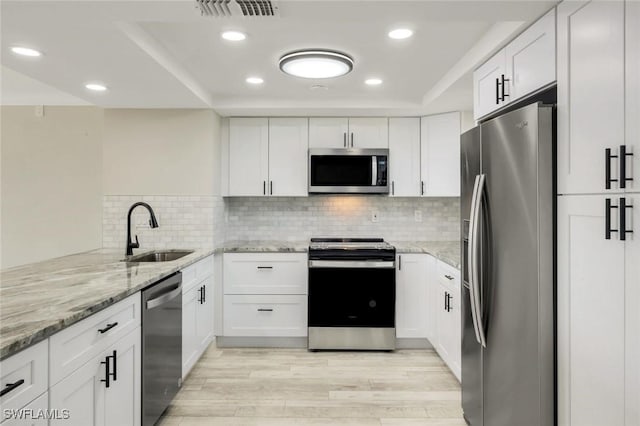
(160, 152)
(51, 182)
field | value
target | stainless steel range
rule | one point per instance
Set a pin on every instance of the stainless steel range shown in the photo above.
(352, 294)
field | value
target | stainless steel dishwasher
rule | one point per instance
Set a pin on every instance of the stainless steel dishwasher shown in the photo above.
(161, 346)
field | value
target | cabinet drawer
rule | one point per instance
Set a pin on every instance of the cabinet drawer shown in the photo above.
(27, 371)
(448, 275)
(265, 316)
(265, 273)
(72, 347)
(195, 273)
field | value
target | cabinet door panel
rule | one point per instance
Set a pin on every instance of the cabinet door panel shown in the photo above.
(591, 346)
(38, 404)
(328, 132)
(123, 397)
(189, 321)
(248, 156)
(288, 145)
(368, 133)
(632, 310)
(632, 96)
(590, 93)
(440, 155)
(412, 295)
(204, 317)
(404, 156)
(485, 98)
(443, 324)
(531, 58)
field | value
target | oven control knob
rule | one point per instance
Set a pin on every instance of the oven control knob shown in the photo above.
(372, 303)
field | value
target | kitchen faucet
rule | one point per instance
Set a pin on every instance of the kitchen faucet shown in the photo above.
(152, 222)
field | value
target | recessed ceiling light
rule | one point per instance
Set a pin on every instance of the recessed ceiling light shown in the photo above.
(373, 81)
(25, 51)
(400, 33)
(95, 87)
(316, 64)
(255, 80)
(234, 35)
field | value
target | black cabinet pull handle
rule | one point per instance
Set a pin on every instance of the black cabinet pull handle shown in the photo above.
(204, 293)
(201, 298)
(445, 300)
(265, 267)
(265, 310)
(107, 328)
(344, 139)
(270, 187)
(607, 219)
(107, 368)
(607, 168)
(449, 277)
(421, 187)
(351, 139)
(623, 166)
(10, 386)
(497, 91)
(393, 187)
(399, 262)
(115, 365)
(264, 187)
(504, 95)
(623, 219)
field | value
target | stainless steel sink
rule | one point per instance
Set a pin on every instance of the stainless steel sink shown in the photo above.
(159, 256)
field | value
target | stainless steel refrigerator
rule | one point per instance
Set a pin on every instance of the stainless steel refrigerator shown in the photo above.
(507, 213)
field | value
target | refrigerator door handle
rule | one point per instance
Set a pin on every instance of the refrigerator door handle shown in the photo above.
(475, 272)
(470, 256)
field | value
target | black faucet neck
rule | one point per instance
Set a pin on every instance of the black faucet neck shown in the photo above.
(152, 222)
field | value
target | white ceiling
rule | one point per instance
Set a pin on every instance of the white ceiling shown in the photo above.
(163, 54)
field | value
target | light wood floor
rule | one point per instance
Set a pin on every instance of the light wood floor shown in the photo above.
(279, 387)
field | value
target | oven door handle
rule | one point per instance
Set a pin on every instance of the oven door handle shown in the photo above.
(352, 264)
(374, 170)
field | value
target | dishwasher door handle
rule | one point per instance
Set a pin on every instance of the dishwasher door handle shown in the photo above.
(164, 298)
(364, 264)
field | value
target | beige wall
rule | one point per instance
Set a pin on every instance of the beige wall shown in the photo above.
(51, 182)
(160, 152)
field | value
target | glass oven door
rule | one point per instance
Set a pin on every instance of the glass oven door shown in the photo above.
(352, 297)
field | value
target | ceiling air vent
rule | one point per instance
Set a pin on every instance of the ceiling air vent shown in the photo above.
(227, 8)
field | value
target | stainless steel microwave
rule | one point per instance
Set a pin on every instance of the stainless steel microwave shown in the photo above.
(349, 171)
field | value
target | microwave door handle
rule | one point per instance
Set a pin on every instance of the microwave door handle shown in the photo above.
(374, 170)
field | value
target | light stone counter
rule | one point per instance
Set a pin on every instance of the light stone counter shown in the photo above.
(266, 246)
(447, 251)
(40, 299)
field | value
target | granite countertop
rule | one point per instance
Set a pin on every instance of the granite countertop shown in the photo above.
(447, 251)
(39, 299)
(266, 246)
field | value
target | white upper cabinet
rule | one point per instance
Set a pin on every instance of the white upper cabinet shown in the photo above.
(531, 57)
(404, 156)
(487, 80)
(328, 132)
(368, 133)
(526, 64)
(288, 145)
(440, 155)
(591, 95)
(268, 156)
(248, 156)
(340, 132)
(632, 96)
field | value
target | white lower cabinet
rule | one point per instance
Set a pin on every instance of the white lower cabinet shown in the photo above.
(412, 295)
(265, 315)
(598, 305)
(33, 414)
(106, 390)
(448, 335)
(197, 312)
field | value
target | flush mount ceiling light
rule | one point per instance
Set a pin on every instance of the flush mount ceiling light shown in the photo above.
(234, 35)
(316, 63)
(254, 80)
(25, 51)
(400, 33)
(373, 82)
(96, 87)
